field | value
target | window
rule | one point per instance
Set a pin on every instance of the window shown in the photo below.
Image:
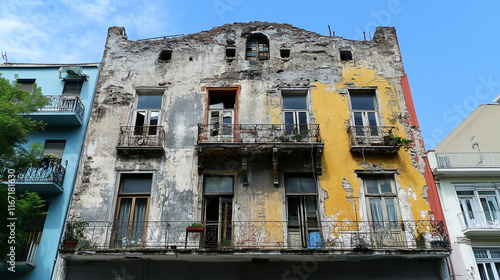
(488, 263)
(25, 84)
(72, 87)
(132, 209)
(383, 211)
(55, 147)
(257, 47)
(381, 199)
(147, 115)
(303, 227)
(221, 112)
(230, 52)
(479, 204)
(218, 208)
(165, 56)
(295, 113)
(363, 112)
(345, 55)
(285, 53)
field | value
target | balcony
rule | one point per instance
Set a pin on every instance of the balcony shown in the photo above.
(141, 140)
(485, 223)
(466, 164)
(45, 179)
(228, 140)
(372, 139)
(273, 134)
(61, 111)
(277, 238)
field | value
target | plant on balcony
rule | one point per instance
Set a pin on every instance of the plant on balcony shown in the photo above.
(84, 243)
(74, 233)
(196, 227)
(50, 156)
(226, 242)
(294, 136)
(397, 141)
(420, 240)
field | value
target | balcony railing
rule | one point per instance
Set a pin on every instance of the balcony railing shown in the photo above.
(362, 235)
(141, 138)
(62, 103)
(258, 133)
(49, 171)
(480, 220)
(487, 159)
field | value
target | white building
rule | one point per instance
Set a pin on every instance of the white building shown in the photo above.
(466, 166)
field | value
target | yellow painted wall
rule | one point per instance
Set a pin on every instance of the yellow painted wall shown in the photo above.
(331, 111)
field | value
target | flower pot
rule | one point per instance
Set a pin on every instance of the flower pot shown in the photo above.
(70, 244)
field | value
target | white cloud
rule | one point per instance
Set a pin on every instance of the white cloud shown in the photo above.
(65, 31)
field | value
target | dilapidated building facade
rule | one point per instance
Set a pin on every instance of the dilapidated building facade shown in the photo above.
(298, 154)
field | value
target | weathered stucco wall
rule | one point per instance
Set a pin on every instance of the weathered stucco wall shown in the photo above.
(199, 62)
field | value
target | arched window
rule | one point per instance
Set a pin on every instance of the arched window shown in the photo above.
(257, 47)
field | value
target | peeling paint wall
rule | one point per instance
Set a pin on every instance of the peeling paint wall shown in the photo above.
(198, 61)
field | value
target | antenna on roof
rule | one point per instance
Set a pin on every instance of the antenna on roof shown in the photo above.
(4, 56)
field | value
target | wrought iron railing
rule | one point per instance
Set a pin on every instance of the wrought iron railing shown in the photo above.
(28, 247)
(63, 103)
(141, 136)
(258, 133)
(362, 235)
(480, 220)
(372, 136)
(484, 159)
(49, 171)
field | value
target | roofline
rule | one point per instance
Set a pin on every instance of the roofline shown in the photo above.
(47, 65)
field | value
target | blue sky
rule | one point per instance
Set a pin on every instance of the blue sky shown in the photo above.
(450, 48)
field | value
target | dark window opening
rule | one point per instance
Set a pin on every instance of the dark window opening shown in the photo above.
(165, 55)
(218, 205)
(25, 84)
(221, 113)
(55, 147)
(285, 53)
(73, 87)
(230, 52)
(222, 100)
(190, 58)
(257, 47)
(345, 55)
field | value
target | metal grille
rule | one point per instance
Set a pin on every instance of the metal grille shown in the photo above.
(258, 133)
(348, 235)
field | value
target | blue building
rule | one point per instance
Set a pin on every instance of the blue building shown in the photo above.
(71, 90)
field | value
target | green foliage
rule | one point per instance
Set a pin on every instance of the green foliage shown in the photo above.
(74, 230)
(196, 225)
(28, 206)
(398, 141)
(14, 127)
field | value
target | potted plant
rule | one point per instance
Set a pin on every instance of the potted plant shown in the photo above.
(196, 227)
(74, 233)
(397, 141)
(48, 159)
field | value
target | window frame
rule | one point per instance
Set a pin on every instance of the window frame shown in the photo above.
(128, 226)
(491, 217)
(364, 112)
(299, 127)
(489, 260)
(260, 55)
(147, 113)
(303, 225)
(382, 196)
